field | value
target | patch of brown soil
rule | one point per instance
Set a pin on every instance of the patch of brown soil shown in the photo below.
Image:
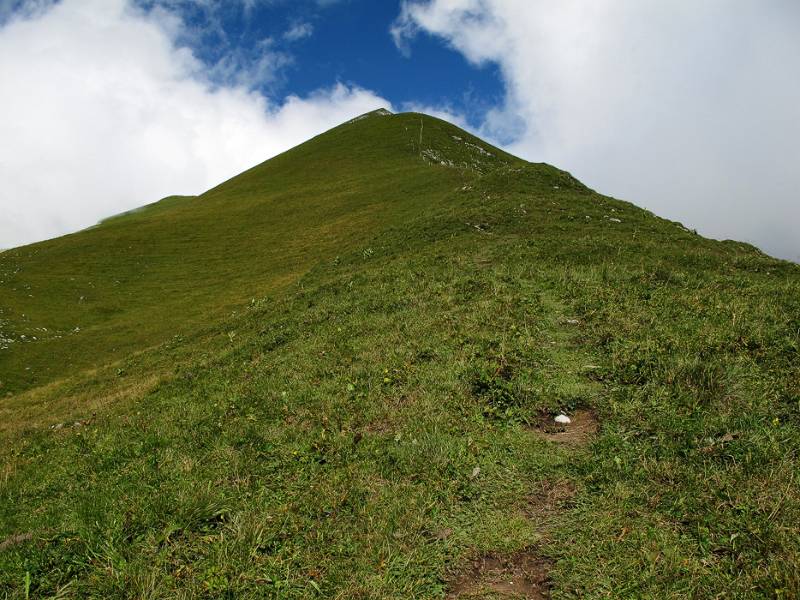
(520, 575)
(579, 432)
(523, 574)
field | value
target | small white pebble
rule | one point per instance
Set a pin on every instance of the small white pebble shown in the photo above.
(563, 419)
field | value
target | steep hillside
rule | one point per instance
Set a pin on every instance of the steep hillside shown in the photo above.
(137, 279)
(336, 376)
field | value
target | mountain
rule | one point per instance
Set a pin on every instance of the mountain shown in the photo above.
(162, 270)
(336, 375)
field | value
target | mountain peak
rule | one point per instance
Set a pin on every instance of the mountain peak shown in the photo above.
(380, 112)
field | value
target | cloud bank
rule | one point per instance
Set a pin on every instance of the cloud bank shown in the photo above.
(691, 109)
(102, 111)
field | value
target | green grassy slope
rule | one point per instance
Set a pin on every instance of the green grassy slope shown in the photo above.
(139, 278)
(370, 425)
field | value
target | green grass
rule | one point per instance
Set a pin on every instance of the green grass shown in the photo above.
(137, 279)
(398, 324)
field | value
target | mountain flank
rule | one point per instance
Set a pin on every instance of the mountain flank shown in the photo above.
(336, 375)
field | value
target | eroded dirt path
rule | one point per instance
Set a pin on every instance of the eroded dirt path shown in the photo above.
(526, 574)
(579, 432)
(523, 574)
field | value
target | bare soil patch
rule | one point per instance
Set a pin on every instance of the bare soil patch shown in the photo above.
(523, 574)
(579, 432)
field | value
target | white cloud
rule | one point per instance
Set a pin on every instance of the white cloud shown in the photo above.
(691, 109)
(102, 111)
(298, 31)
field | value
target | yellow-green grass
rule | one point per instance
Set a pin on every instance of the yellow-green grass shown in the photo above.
(136, 279)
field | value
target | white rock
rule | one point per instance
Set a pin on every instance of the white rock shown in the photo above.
(563, 419)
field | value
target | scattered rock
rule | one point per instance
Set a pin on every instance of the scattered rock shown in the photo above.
(573, 321)
(76, 424)
(563, 419)
(443, 534)
(582, 427)
(714, 445)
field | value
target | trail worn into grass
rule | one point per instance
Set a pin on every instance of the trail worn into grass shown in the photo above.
(526, 573)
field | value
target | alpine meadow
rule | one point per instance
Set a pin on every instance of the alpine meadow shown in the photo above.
(337, 375)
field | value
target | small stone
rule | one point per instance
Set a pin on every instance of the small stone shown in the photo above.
(475, 472)
(443, 534)
(563, 419)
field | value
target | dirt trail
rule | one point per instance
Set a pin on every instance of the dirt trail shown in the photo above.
(526, 574)
(523, 574)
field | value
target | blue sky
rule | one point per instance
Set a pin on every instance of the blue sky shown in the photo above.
(349, 41)
(689, 109)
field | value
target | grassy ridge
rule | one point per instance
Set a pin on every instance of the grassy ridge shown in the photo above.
(137, 279)
(368, 431)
